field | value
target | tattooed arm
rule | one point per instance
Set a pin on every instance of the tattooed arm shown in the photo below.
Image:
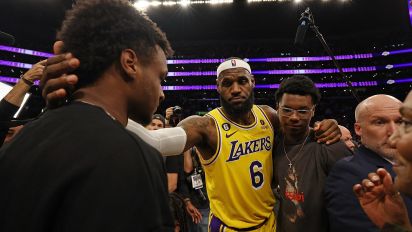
(201, 133)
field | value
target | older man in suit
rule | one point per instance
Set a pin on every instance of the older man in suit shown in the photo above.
(377, 117)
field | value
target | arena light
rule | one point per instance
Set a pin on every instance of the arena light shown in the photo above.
(169, 3)
(297, 1)
(141, 5)
(144, 4)
(214, 2)
(155, 3)
(184, 3)
(257, 1)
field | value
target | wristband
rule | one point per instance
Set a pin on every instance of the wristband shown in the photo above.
(28, 82)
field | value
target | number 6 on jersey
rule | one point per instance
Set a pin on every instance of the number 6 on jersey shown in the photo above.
(256, 175)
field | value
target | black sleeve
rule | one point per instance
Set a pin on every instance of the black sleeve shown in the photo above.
(183, 187)
(174, 164)
(393, 228)
(7, 110)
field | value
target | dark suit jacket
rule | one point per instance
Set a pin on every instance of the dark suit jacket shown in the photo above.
(345, 212)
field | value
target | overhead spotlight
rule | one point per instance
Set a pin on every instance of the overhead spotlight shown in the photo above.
(297, 1)
(220, 1)
(184, 3)
(155, 3)
(169, 3)
(141, 5)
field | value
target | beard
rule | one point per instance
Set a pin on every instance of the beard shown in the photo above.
(243, 108)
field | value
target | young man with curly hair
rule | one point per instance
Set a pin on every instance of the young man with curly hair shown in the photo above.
(77, 168)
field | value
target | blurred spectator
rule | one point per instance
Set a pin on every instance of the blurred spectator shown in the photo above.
(11, 103)
(178, 209)
(158, 122)
(377, 118)
(174, 164)
(347, 137)
(195, 180)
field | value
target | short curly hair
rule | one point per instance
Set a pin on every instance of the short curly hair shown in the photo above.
(299, 85)
(97, 31)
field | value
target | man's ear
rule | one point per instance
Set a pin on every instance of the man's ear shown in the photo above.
(252, 79)
(218, 85)
(129, 64)
(358, 129)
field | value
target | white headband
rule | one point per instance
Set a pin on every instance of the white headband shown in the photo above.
(233, 63)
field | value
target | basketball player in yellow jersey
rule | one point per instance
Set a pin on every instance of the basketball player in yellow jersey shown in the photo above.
(235, 142)
(244, 171)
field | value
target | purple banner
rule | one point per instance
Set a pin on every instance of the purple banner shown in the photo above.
(258, 72)
(251, 60)
(410, 10)
(261, 86)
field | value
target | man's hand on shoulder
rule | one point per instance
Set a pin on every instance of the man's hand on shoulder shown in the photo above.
(327, 131)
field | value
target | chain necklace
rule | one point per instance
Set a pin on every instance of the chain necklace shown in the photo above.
(291, 161)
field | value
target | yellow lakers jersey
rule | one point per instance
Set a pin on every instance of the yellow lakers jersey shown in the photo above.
(239, 174)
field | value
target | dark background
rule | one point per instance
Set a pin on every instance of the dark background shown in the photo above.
(34, 22)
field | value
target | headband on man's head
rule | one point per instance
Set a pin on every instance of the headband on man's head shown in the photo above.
(233, 63)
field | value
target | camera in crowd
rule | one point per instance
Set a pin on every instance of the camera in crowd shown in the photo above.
(176, 116)
(177, 110)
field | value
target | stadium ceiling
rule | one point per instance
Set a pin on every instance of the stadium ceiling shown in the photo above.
(34, 22)
(145, 4)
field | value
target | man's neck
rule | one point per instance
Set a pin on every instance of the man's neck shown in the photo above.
(242, 119)
(296, 138)
(108, 100)
(386, 157)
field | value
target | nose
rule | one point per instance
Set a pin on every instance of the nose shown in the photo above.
(391, 128)
(351, 145)
(235, 88)
(393, 139)
(294, 116)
